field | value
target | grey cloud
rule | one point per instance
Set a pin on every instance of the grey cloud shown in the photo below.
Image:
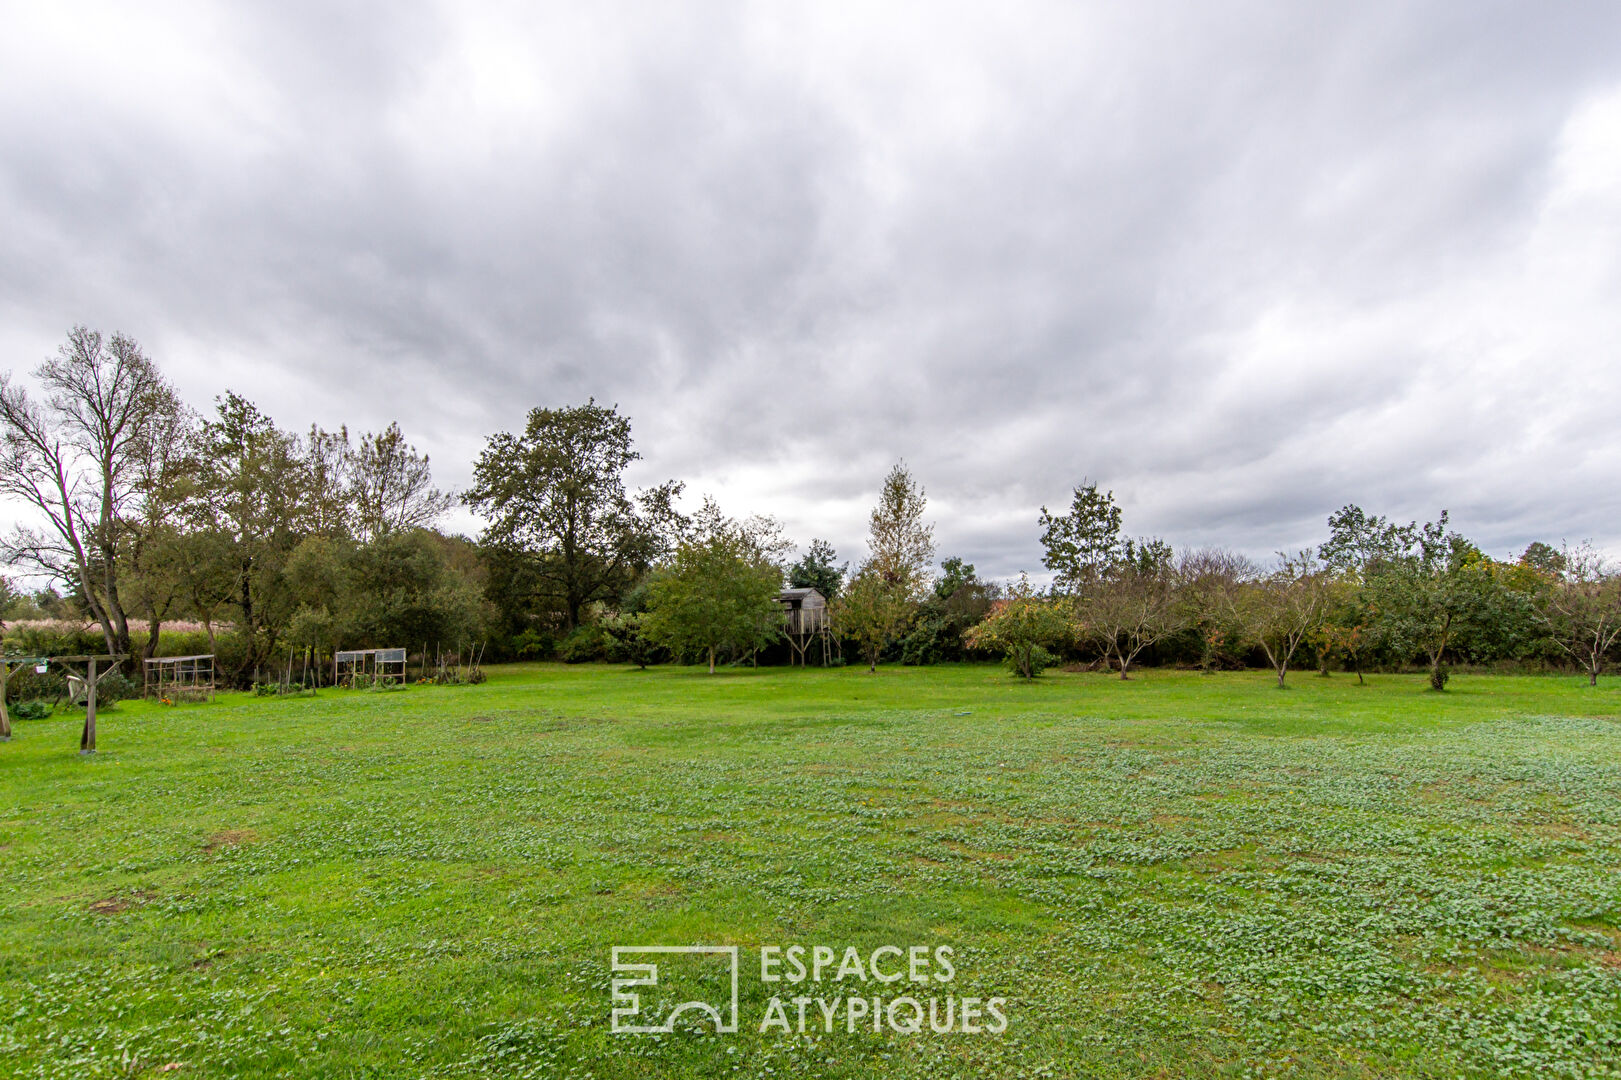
(1242, 263)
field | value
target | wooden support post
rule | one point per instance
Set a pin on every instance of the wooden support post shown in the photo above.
(87, 740)
(5, 717)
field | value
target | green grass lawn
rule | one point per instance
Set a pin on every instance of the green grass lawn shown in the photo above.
(1174, 876)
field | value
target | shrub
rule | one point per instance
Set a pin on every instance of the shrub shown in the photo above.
(31, 710)
(583, 645)
(1031, 664)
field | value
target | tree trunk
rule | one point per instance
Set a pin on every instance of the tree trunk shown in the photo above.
(1283, 670)
(1438, 678)
(712, 660)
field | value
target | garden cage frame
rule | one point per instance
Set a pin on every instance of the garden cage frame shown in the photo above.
(380, 665)
(181, 678)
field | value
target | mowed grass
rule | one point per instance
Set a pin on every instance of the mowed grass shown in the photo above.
(1174, 876)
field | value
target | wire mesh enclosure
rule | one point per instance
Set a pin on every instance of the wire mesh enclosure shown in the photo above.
(180, 678)
(368, 667)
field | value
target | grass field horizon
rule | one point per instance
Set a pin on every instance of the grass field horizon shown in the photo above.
(1175, 875)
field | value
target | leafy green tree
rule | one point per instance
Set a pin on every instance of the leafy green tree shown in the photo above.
(556, 502)
(717, 596)
(958, 602)
(1544, 557)
(880, 602)
(1434, 587)
(1023, 626)
(1358, 544)
(955, 574)
(628, 642)
(1081, 545)
(252, 498)
(873, 612)
(819, 570)
(398, 591)
(10, 600)
(391, 486)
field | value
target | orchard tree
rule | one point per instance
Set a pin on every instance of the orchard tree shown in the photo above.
(1081, 546)
(873, 612)
(1208, 580)
(718, 595)
(1579, 608)
(1024, 626)
(556, 501)
(1280, 611)
(1132, 604)
(1435, 586)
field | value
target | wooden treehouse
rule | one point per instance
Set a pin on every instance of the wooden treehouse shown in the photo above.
(807, 623)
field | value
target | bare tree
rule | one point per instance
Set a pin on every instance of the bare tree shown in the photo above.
(1208, 579)
(1281, 609)
(75, 459)
(1581, 608)
(391, 486)
(1133, 605)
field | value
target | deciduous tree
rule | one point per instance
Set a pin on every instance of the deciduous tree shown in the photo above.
(718, 595)
(1579, 608)
(1083, 544)
(1132, 604)
(819, 569)
(1281, 610)
(555, 496)
(74, 459)
(1023, 626)
(901, 542)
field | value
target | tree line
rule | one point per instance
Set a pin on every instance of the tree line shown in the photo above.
(279, 543)
(150, 513)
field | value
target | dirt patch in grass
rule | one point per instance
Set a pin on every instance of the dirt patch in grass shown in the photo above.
(229, 838)
(117, 905)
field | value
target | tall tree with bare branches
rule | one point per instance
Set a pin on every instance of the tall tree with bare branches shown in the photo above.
(75, 459)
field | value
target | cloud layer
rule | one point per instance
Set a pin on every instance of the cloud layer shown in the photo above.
(1241, 263)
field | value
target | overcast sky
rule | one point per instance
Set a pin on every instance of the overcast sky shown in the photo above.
(1240, 263)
